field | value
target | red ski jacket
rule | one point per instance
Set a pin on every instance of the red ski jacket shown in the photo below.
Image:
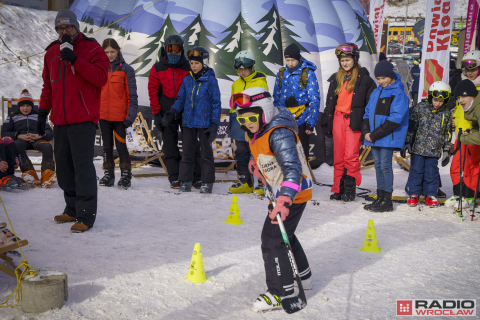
(71, 93)
(164, 82)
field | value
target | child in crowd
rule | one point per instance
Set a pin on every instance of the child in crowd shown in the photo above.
(276, 148)
(22, 127)
(199, 100)
(118, 111)
(384, 127)
(428, 134)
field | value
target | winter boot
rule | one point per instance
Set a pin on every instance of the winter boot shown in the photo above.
(49, 177)
(21, 183)
(375, 202)
(385, 205)
(125, 179)
(268, 302)
(62, 218)
(245, 185)
(431, 201)
(259, 188)
(79, 227)
(185, 186)
(452, 201)
(8, 183)
(412, 200)
(206, 188)
(197, 184)
(175, 184)
(338, 195)
(350, 188)
(108, 179)
(31, 178)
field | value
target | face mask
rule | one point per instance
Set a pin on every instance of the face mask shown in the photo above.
(465, 110)
(173, 59)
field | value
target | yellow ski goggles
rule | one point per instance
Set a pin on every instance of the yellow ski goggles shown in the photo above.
(251, 119)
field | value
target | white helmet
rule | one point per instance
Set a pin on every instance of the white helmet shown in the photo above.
(244, 59)
(471, 60)
(260, 98)
(439, 89)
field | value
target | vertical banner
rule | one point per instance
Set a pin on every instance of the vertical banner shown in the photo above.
(436, 44)
(472, 14)
(377, 8)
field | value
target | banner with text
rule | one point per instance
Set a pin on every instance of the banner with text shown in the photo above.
(472, 14)
(376, 16)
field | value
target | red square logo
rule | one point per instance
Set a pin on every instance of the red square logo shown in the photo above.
(404, 308)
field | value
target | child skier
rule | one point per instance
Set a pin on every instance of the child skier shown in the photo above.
(384, 127)
(248, 77)
(118, 111)
(199, 99)
(277, 150)
(428, 134)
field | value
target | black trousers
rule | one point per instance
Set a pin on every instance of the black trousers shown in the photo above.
(74, 152)
(278, 271)
(242, 155)
(41, 145)
(187, 164)
(109, 130)
(171, 152)
(7, 153)
(304, 139)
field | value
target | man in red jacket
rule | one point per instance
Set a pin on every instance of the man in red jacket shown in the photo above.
(72, 84)
(164, 83)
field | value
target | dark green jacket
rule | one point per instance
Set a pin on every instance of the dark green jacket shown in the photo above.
(473, 115)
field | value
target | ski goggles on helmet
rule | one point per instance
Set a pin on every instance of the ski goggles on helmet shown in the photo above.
(243, 100)
(173, 47)
(251, 119)
(195, 53)
(344, 50)
(440, 94)
(470, 64)
(245, 62)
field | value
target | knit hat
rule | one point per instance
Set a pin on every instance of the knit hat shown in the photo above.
(25, 98)
(67, 17)
(292, 51)
(465, 88)
(384, 69)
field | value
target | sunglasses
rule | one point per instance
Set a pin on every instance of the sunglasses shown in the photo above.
(68, 29)
(245, 62)
(343, 49)
(469, 64)
(173, 48)
(251, 119)
(440, 94)
(243, 100)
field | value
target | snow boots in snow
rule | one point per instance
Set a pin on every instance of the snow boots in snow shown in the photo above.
(197, 184)
(185, 186)
(175, 184)
(259, 188)
(375, 202)
(125, 179)
(338, 195)
(62, 218)
(31, 177)
(79, 227)
(350, 189)
(431, 201)
(412, 200)
(49, 177)
(206, 188)
(384, 205)
(268, 302)
(108, 179)
(245, 185)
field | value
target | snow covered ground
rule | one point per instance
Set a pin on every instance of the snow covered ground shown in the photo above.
(132, 264)
(417, 9)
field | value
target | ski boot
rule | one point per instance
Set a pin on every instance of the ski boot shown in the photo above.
(49, 177)
(338, 195)
(413, 200)
(185, 186)
(31, 178)
(375, 202)
(108, 179)
(350, 188)
(197, 184)
(466, 203)
(206, 188)
(268, 302)
(431, 201)
(452, 202)
(245, 185)
(175, 184)
(259, 188)
(125, 179)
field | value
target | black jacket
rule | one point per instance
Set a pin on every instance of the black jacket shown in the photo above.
(361, 94)
(454, 80)
(18, 123)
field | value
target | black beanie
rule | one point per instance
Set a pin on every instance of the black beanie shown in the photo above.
(465, 88)
(292, 51)
(384, 69)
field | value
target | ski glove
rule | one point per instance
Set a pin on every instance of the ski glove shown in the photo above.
(310, 127)
(445, 156)
(157, 120)
(169, 117)
(127, 123)
(41, 122)
(291, 102)
(282, 206)
(327, 125)
(68, 55)
(406, 147)
(255, 170)
(459, 143)
(212, 131)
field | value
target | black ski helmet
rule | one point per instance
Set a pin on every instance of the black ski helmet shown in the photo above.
(173, 39)
(199, 54)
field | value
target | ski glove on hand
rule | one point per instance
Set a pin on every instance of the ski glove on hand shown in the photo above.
(406, 147)
(212, 130)
(445, 156)
(282, 206)
(127, 123)
(157, 120)
(68, 55)
(291, 102)
(41, 122)
(255, 170)
(310, 128)
(327, 125)
(169, 117)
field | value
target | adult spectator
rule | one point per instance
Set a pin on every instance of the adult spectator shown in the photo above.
(415, 71)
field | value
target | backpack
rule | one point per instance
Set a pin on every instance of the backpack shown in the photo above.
(303, 77)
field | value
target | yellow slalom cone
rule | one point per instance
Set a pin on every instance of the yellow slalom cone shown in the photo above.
(370, 244)
(234, 213)
(196, 272)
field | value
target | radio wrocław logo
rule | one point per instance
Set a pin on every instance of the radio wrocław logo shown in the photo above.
(437, 307)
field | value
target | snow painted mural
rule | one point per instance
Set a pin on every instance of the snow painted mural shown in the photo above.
(225, 27)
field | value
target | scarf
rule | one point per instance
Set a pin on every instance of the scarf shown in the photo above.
(173, 59)
(476, 81)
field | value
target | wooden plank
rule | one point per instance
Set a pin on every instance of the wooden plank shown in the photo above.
(13, 246)
(8, 271)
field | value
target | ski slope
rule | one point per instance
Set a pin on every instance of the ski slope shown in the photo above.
(132, 264)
